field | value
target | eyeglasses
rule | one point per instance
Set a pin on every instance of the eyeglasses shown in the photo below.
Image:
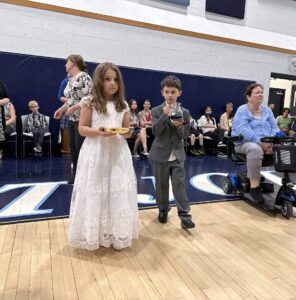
(34, 106)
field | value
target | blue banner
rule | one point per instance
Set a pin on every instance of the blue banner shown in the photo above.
(230, 8)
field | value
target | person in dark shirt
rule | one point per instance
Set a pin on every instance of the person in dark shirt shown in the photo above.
(3, 101)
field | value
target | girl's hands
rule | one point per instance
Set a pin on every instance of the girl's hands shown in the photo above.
(102, 132)
(129, 134)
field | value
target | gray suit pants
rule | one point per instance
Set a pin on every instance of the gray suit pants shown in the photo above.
(162, 173)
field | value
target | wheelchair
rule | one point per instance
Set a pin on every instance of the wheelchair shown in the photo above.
(284, 161)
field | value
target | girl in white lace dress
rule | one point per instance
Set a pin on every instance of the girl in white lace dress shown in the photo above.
(104, 209)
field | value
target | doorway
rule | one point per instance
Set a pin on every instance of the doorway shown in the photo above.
(293, 101)
(282, 93)
(277, 98)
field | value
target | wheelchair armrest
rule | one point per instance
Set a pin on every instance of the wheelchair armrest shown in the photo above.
(232, 139)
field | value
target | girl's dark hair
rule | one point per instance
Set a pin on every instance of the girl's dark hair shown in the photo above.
(211, 116)
(78, 61)
(147, 100)
(231, 114)
(97, 92)
(130, 106)
(250, 88)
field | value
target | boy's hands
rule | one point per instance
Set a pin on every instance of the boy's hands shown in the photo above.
(167, 109)
(177, 123)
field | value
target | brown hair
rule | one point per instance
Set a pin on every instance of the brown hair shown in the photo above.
(147, 100)
(130, 106)
(286, 109)
(97, 91)
(250, 89)
(171, 81)
(78, 61)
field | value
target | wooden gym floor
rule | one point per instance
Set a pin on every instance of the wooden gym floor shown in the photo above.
(236, 252)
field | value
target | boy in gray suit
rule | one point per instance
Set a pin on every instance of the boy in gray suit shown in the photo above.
(167, 153)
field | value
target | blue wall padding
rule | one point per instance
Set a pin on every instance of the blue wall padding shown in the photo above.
(230, 8)
(33, 77)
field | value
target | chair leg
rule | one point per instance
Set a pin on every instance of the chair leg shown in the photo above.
(23, 150)
(15, 148)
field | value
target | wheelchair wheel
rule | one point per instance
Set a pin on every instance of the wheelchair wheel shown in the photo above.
(287, 209)
(227, 186)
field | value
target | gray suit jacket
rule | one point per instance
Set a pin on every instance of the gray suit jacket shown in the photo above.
(168, 138)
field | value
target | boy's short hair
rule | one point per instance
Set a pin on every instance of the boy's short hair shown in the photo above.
(33, 103)
(171, 81)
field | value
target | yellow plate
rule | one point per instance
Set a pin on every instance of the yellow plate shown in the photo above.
(118, 130)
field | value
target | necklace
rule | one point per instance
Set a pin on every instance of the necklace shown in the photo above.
(255, 112)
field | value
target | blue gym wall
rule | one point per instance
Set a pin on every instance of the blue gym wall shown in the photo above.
(33, 77)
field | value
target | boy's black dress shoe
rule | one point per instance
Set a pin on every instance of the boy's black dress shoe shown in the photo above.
(163, 215)
(187, 224)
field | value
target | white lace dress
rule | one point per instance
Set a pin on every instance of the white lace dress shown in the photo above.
(104, 209)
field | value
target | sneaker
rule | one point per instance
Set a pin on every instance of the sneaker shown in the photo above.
(201, 151)
(221, 145)
(256, 195)
(136, 155)
(222, 155)
(194, 152)
(145, 153)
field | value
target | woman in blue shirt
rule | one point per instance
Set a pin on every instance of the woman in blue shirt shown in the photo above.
(253, 121)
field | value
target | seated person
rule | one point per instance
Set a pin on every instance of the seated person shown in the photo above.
(285, 123)
(253, 121)
(145, 119)
(272, 107)
(3, 101)
(195, 134)
(36, 123)
(207, 123)
(137, 134)
(10, 118)
(226, 119)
